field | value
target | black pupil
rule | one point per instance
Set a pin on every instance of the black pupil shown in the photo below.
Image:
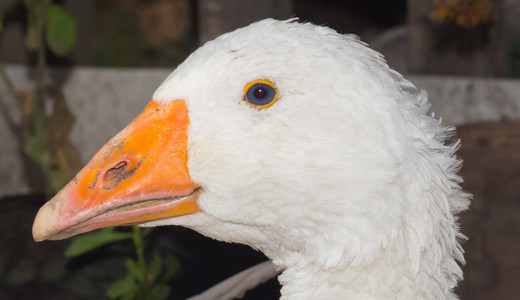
(260, 92)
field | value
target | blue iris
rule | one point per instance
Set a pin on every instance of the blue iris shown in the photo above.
(260, 94)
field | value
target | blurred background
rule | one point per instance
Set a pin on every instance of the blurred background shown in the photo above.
(73, 73)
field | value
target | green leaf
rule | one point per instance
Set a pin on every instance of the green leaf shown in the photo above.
(155, 268)
(23, 272)
(60, 31)
(29, 3)
(135, 270)
(159, 292)
(53, 269)
(145, 231)
(126, 286)
(96, 239)
(34, 147)
(19, 276)
(172, 266)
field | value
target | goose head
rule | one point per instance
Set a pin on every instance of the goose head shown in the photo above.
(299, 142)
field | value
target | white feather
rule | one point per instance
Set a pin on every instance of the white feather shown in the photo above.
(345, 182)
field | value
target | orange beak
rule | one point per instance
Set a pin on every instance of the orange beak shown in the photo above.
(140, 175)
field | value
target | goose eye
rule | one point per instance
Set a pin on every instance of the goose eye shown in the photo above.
(260, 93)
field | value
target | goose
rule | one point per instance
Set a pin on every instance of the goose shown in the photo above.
(299, 142)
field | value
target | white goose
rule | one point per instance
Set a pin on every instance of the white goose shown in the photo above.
(299, 142)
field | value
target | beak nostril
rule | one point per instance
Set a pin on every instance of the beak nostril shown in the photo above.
(120, 165)
(116, 170)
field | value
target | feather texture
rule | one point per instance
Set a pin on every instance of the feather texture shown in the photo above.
(346, 182)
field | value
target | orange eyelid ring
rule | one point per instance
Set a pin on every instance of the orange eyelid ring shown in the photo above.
(273, 94)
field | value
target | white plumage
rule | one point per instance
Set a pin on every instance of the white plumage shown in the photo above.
(345, 183)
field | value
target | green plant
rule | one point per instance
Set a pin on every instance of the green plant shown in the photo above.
(43, 139)
(145, 278)
(48, 26)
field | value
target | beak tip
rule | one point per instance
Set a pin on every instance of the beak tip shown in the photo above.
(43, 226)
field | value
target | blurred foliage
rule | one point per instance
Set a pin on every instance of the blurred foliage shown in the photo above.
(44, 140)
(118, 43)
(61, 277)
(60, 32)
(29, 270)
(88, 242)
(145, 278)
(142, 33)
(125, 263)
(48, 25)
